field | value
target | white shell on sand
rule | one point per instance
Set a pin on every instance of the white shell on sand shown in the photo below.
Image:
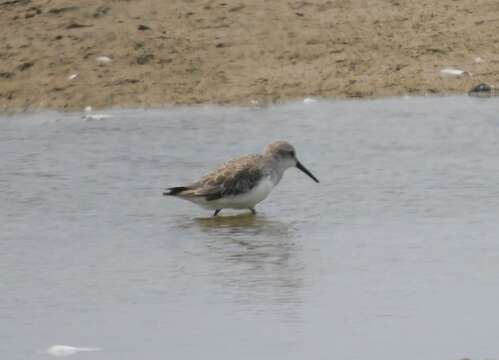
(453, 72)
(103, 59)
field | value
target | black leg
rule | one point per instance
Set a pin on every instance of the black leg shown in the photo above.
(216, 212)
(253, 211)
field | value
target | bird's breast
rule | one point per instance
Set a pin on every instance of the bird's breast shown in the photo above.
(250, 198)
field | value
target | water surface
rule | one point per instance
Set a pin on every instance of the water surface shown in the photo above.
(394, 255)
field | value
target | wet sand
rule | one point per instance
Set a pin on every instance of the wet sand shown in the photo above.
(239, 52)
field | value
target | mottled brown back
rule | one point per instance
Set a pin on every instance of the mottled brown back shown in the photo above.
(234, 177)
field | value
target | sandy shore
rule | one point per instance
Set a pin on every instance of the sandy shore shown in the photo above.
(234, 51)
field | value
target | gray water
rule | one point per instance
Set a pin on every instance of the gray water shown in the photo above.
(394, 255)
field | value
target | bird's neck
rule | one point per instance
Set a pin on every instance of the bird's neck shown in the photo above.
(275, 168)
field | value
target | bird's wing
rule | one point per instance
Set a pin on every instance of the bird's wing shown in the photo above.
(235, 177)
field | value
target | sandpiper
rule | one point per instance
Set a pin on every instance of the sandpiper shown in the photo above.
(243, 182)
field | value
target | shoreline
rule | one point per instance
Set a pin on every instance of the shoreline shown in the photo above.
(282, 102)
(146, 54)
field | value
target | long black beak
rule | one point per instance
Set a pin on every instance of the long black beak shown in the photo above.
(304, 169)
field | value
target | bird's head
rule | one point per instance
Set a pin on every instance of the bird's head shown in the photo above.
(285, 154)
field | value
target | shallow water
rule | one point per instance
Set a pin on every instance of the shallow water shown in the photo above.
(395, 255)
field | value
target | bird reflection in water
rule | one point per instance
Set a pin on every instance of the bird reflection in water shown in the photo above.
(257, 258)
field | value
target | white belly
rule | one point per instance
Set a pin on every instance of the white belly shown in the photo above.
(243, 201)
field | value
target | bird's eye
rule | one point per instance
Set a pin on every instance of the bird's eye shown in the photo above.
(292, 153)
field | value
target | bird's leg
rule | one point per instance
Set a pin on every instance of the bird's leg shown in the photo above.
(253, 211)
(216, 212)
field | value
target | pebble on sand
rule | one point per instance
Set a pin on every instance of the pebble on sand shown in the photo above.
(483, 90)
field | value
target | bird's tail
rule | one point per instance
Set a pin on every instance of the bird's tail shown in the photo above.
(175, 190)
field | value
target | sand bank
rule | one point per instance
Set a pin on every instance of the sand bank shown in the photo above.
(233, 51)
